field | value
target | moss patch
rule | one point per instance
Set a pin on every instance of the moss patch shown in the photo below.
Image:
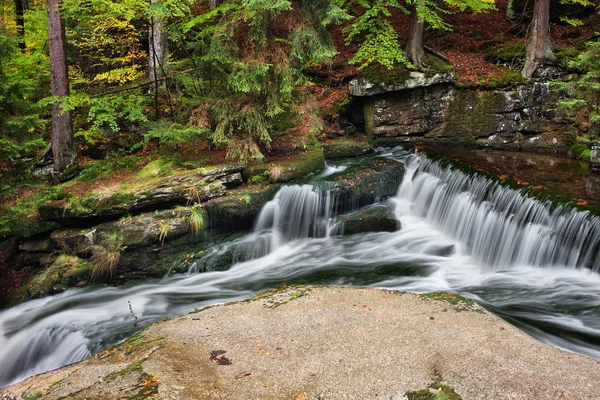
(65, 271)
(457, 302)
(293, 167)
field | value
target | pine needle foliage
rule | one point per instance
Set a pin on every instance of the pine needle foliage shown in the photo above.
(583, 94)
(250, 57)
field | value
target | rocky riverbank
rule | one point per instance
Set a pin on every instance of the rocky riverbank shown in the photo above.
(326, 343)
(144, 228)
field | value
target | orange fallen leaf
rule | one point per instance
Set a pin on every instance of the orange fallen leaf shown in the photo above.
(538, 187)
(242, 374)
(502, 177)
(581, 202)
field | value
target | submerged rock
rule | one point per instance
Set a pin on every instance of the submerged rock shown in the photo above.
(372, 219)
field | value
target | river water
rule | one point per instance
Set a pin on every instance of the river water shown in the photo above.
(534, 263)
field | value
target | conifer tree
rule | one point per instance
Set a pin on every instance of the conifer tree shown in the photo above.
(63, 151)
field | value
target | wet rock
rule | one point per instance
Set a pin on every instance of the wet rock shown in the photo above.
(199, 186)
(595, 157)
(345, 148)
(361, 86)
(372, 219)
(151, 228)
(512, 119)
(374, 182)
(294, 167)
(238, 210)
(36, 245)
(74, 241)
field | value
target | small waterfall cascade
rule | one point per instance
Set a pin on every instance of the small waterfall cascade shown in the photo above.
(498, 226)
(296, 212)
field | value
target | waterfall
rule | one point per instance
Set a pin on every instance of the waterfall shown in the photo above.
(530, 260)
(498, 226)
(296, 212)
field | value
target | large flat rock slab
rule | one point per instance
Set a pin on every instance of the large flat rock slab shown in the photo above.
(327, 343)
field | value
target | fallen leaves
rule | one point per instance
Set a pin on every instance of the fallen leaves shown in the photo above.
(243, 374)
(218, 358)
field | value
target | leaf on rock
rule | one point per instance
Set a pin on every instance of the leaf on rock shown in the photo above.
(217, 357)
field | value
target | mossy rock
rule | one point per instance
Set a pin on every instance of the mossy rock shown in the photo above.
(345, 148)
(293, 167)
(200, 185)
(373, 219)
(64, 271)
(370, 183)
(239, 208)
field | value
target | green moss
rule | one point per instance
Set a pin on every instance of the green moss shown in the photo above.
(451, 298)
(135, 367)
(32, 396)
(378, 75)
(22, 219)
(510, 78)
(292, 168)
(65, 270)
(436, 391)
(507, 53)
(160, 167)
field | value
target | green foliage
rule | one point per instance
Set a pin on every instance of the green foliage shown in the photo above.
(115, 161)
(165, 133)
(249, 66)
(19, 117)
(196, 219)
(22, 219)
(583, 94)
(378, 37)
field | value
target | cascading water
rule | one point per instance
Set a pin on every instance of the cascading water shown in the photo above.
(296, 212)
(529, 261)
(498, 226)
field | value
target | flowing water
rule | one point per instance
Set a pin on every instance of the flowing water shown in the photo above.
(536, 264)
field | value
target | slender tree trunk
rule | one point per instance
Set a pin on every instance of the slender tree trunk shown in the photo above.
(63, 151)
(158, 47)
(539, 46)
(20, 20)
(214, 3)
(415, 48)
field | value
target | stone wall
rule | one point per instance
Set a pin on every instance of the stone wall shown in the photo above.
(440, 112)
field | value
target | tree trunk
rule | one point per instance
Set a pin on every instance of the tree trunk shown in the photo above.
(415, 48)
(539, 46)
(158, 47)
(20, 20)
(214, 3)
(63, 151)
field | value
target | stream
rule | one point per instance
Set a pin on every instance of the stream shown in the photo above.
(533, 263)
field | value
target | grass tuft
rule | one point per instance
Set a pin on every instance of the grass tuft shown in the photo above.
(197, 219)
(105, 256)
